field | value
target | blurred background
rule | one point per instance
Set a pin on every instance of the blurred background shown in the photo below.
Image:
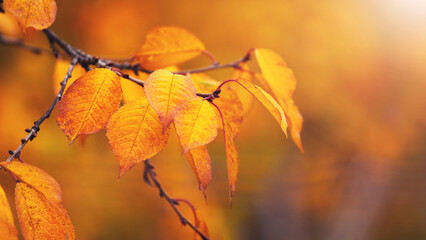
(361, 76)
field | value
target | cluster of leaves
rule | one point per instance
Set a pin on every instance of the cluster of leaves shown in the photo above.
(138, 115)
(140, 128)
(38, 200)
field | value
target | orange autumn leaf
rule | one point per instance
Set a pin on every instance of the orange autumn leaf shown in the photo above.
(232, 161)
(168, 45)
(40, 218)
(232, 108)
(295, 120)
(135, 133)
(200, 224)
(131, 90)
(59, 72)
(166, 92)
(89, 103)
(196, 124)
(39, 14)
(35, 177)
(7, 226)
(200, 162)
(281, 81)
(279, 77)
(228, 101)
(267, 100)
(243, 72)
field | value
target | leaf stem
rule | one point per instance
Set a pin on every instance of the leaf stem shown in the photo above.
(149, 174)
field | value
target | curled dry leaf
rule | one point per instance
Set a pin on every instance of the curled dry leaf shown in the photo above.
(281, 81)
(199, 160)
(166, 92)
(168, 45)
(39, 14)
(40, 218)
(267, 100)
(196, 124)
(35, 177)
(89, 103)
(59, 72)
(7, 226)
(135, 133)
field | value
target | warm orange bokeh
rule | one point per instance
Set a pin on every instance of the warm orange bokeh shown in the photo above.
(360, 88)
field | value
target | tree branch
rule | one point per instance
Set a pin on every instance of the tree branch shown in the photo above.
(32, 133)
(87, 59)
(149, 174)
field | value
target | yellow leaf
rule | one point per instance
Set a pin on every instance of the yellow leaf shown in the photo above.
(40, 218)
(7, 226)
(232, 107)
(131, 90)
(269, 102)
(89, 103)
(228, 101)
(166, 46)
(296, 122)
(135, 133)
(243, 72)
(279, 77)
(35, 177)
(196, 124)
(166, 92)
(39, 14)
(59, 72)
(231, 157)
(282, 83)
(200, 162)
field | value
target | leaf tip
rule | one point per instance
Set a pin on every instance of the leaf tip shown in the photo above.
(231, 195)
(205, 195)
(122, 170)
(300, 146)
(185, 151)
(71, 140)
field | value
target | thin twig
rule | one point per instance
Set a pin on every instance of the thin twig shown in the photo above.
(87, 59)
(149, 174)
(32, 133)
(18, 42)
